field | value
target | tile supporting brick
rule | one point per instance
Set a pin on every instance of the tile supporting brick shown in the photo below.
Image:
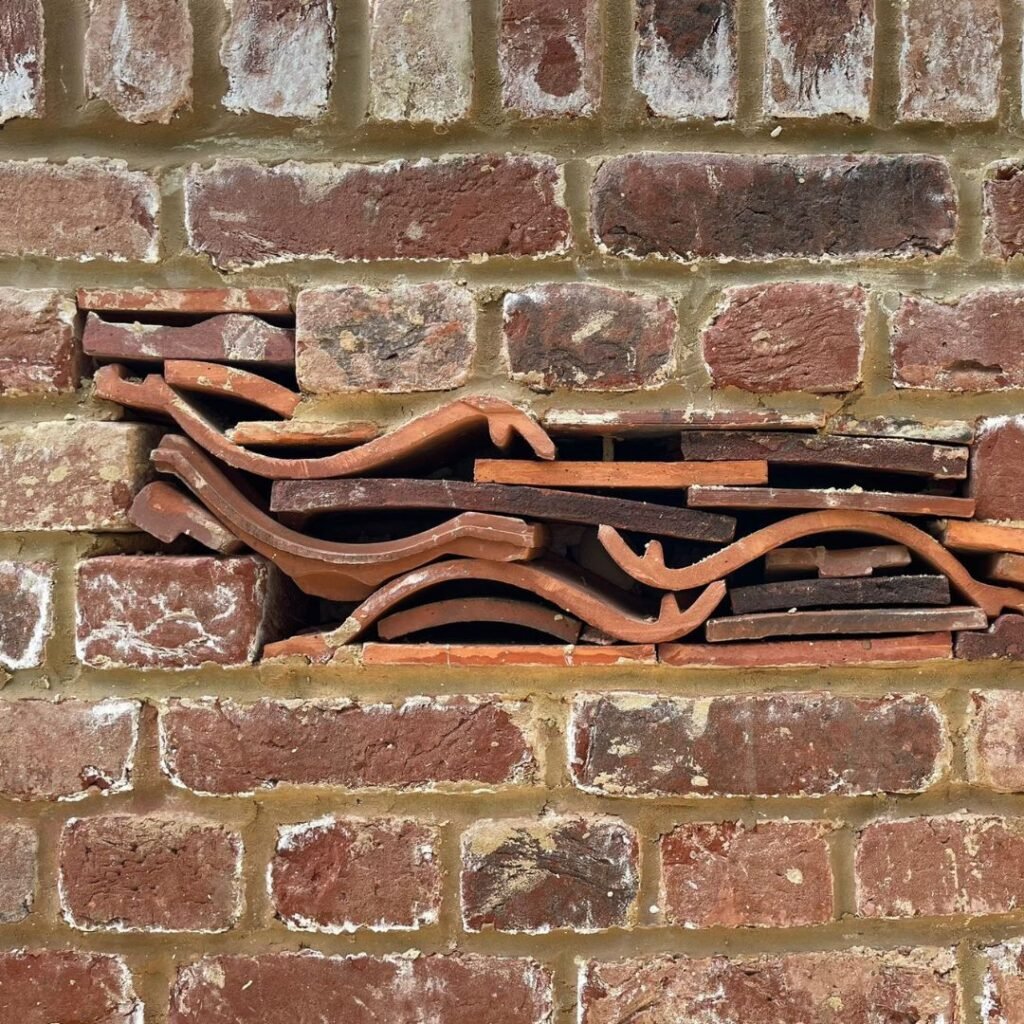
(421, 60)
(22, 59)
(326, 875)
(138, 57)
(995, 741)
(403, 338)
(550, 56)
(26, 613)
(19, 848)
(995, 481)
(684, 64)
(819, 58)
(279, 57)
(38, 342)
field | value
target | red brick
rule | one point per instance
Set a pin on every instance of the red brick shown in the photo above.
(782, 744)
(841, 987)
(549, 53)
(995, 482)
(245, 214)
(950, 60)
(157, 611)
(965, 344)
(691, 206)
(107, 212)
(188, 301)
(533, 875)
(588, 338)
(18, 850)
(279, 57)
(138, 57)
(38, 342)
(216, 746)
(22, 59)
(46, 986)
(922, 867)
(1003, 210)
(775, 874)
(65, 750)
(72, 475)
(1002, 999)
(684, 63)
(787, 337)
(125, 873)
(407, 337)
(289, 988)
(819, 58)
(26, 613)
(421, 60)
(341, 875)
(995, 741)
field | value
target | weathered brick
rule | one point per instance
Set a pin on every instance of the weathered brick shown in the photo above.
(22, 59)
(18, 850)
(421, 60)
(775, 874)
(216, 746)
(758, 745)
(549, 53)
(588, 337)
(1002, 996)
(787, 337)
(107, 212)
(246, 214)
(691, 206)
(288, 988)
(1004, 640)
(819, 58)
(1003, 211)
(65, 750)
(38, 344)
(72, 476)
(684, 64)
(45, 986)
(965, 344)
(922, 867)
(157, 611)
(950, 60)
(279, 56)
(842, 987)
(995, 482)
(995, 741)
(138, 57)
(126, 873)
(340, 875)
(187, 301)
(533, 875)
(26, 613)
(407, 337)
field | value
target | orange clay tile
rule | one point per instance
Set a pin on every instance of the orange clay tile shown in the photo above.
(838, 563)
(480, 609)
(231, 382)
(797, 498)
(301, 433)
(166, 513)
(499, 656)
(1006, 569)
(639, 475)
(986, 537)
(637, 423)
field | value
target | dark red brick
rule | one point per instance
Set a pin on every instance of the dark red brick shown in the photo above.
(995, 741)
(26, 613)
(1003, 210)
(18, 850)
(995, 482)
(22, 59)
(1003, 640)
(38, 342)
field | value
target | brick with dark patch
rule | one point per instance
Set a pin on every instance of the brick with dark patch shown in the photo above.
(22, 59)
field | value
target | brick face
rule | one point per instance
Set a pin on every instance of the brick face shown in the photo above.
(38, 342)
(19, 847)
(995, 482)
(26, 613)
(995, 741)
(22, 60)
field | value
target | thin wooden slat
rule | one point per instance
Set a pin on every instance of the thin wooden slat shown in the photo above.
(637, 475)
(987, 537)
(836, 563)
(647, 422)
(825, 593)
(301, 433)
(861, 501)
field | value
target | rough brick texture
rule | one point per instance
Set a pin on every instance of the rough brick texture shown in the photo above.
(995, 741)
(995, 481)
(26, 613)
(18, 850)
(1004, 211)
(1003, 983)
(38, 342)
(22, 59)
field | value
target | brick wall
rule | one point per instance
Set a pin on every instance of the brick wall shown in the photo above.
(601, 206)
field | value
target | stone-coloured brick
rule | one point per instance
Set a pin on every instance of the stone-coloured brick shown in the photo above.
(22, 59)
(995, 741)
(549, 53)
(586, 337)
(533, 875)
(922, 867)
(690, 206)
(26, 613)
(68, 749)
(341, 875)
(1003, 983)
(72, 475)
(121, 872)
(19, 848)
(775, 874)
(819, 58)
(107, 212)
(421, 60)
(840, 987)
(781, 744)
(684, 64)
(407, 337)
(289, 988)
(950, 60)
(247, 214)
(1003, 210)
(157, 611)
(787, 337)
(138, 57)
(995, 481)
(279, 56)
(38, 342)
(45, 986)
(224, 747)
